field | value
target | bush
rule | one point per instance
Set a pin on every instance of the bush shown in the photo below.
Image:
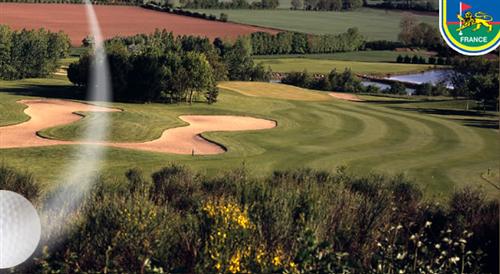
(19, 182)
(223, 17)
(397, 88)
(383, 45)
(407, 59)
(400, 59)
(346, 81)
(182, 222)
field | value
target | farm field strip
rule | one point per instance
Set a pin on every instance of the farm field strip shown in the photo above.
(374, 24)
(71, 19)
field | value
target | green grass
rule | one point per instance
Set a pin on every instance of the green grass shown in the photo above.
(374, 24)
(434, 142)
(278, 91)
(325, 66)
(386, 56)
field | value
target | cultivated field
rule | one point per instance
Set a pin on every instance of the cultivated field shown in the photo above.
(434, 142)
(113, 20)
(325, 66)
(374, 24)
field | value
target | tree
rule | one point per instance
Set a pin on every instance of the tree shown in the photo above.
(297, 4)
(6, 69)
(424, 89)
(407, 59)
(397, 88)
(239, 61)
(30, 53)
(406, 25)
(200, 74)
(147, 78)
(476, 78)
(400, 59)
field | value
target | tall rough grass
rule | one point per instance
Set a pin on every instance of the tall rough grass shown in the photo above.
(301, 221)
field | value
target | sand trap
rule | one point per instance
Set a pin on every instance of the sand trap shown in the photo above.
(46, 113)
(188, 139)
(345, 96)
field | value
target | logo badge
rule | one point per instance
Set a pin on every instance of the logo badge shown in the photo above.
(472, 27)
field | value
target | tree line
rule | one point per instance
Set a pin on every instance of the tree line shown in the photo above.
(264, 43)
(346, 81)
(232, 4)
(94, 2)
(30, 53)
(432, 60)
(326, 5)
(417, 5)
(476, 78)
(160, 67)
(296, 221)
(223, 17)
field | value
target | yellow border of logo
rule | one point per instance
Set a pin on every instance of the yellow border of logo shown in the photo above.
(450, 38)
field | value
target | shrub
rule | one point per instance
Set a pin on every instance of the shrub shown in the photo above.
(223, 17)
(397, 88)
(407, 59)
(19, 182)
(175, 185)
(400, 59)
(296, 221)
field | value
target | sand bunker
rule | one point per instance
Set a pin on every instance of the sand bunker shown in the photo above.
(46, 113)
(345, 96)
(188, 139)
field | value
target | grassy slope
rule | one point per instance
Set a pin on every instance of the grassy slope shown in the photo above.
(374, 24)
(390, 136)
(277, 91)
(325, 66)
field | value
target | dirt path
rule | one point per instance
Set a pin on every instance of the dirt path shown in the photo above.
(46, 113)
(345, 96)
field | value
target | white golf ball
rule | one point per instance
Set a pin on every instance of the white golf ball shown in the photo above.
(19, 229)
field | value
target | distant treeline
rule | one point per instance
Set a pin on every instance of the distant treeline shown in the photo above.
(416, 5)
(346, 81)
(326, 5)
(300, 43)
(30, 53)
(158, 7)
(233, 4)
(422, 60)
(160, 67)
(95, 2)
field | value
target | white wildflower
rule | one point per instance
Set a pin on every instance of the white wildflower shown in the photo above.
(454, 259)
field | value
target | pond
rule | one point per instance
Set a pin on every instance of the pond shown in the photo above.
(431, 76)
(383, 86)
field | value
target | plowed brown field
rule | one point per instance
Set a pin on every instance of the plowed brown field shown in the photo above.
(114, 20)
